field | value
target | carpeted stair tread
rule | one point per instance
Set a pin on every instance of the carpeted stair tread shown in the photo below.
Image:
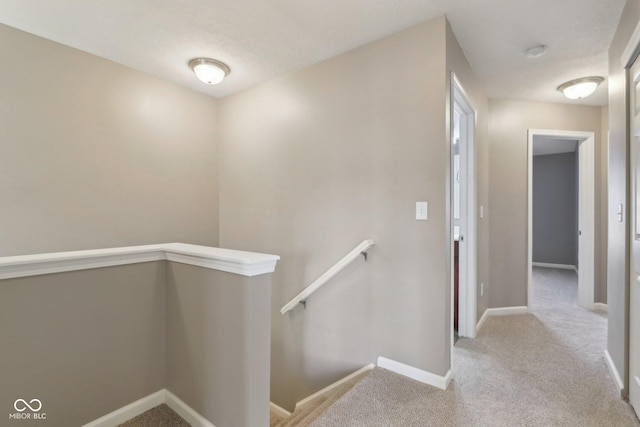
(322, 407)
(274, 419)
(301, 413)
(160, 416)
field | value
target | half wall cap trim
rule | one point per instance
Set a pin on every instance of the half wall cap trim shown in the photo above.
(228, 260)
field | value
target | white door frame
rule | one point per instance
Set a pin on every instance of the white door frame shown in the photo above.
(467, 306)
(628, 214)
(586, 209)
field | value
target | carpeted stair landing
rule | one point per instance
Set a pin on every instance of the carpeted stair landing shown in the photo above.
(378, 398)
(160, 416)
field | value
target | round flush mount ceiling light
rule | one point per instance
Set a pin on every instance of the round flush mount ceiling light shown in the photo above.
(580, 88)
(209, 71)
(535, 52)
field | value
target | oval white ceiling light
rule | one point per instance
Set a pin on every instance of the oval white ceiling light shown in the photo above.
(580, 88)
(209, 71)
(535, 52)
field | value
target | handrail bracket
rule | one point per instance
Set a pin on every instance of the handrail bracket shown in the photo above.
(353, 254)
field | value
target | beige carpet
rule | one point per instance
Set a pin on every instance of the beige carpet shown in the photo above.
(274, 419)
(540, 369)
(160, 416)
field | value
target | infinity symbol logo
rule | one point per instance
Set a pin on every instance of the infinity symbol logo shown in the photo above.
(21, 405)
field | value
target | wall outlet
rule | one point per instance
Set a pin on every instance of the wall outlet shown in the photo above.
(422, 211)
(481, 289)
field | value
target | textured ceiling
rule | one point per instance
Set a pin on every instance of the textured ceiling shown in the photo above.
(260, 40)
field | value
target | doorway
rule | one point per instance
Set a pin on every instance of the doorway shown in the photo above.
(586, 208)
(463, 219)
(634, 228)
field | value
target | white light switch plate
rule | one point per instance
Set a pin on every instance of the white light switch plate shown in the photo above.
(422, 211)
(621, 212)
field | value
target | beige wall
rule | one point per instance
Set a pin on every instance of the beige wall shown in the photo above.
(97, 155)
(509, 122)
(458, 64)
(218, 343)
(316, 161)
(617, 266)
(89, 342)
(84, 343)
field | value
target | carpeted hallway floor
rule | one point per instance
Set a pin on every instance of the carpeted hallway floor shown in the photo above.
(541, 369)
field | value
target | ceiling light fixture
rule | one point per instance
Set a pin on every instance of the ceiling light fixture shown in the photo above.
(209, 71)
(535, 52)
(580, 88)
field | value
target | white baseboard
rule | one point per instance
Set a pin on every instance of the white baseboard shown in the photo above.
(125, 413)
(613, 371)
(140, 406)
(561, 266)
(415, 373)
(330, 387)
(507, 311)
(502, 311)
(281, 412)
(600, 306)
(483, 319)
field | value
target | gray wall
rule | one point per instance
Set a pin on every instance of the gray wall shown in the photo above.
(98, 155)
(316, 161)
(218, 343)
(555, 238)
(617, 266)
(509, 122)
(89, 342)
(85, 342)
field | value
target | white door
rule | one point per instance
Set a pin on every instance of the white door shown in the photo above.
(634, 304)
(462, 222)
(464, 117)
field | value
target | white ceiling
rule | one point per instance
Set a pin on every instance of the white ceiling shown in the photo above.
(543, 145)
(260, 40)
